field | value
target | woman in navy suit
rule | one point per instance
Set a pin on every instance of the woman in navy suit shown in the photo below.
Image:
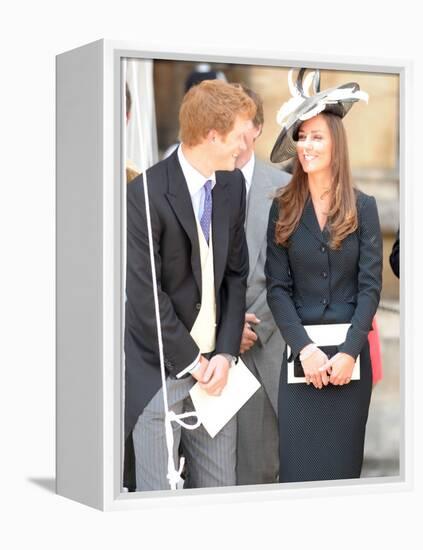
(324, 265)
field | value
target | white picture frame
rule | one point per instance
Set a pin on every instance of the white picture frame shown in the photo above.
(90, 257)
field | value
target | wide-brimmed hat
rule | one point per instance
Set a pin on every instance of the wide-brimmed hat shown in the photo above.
(302, 106)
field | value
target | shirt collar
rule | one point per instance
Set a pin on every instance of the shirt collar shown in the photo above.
(248, 170)
(195, 180)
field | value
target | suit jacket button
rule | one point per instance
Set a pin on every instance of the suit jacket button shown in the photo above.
(324, 274)
(198, 307)
(324, 301)
(323, 248)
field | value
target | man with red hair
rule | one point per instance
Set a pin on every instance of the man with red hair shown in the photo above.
(197, 203)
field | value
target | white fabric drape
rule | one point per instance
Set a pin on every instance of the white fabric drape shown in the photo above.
(140, 148)
(141, 131)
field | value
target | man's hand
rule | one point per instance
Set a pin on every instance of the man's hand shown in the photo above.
(249, 337)
(216, 375)
(198, 374)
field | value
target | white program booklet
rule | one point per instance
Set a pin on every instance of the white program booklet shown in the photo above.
(324, 335)
(216, 411)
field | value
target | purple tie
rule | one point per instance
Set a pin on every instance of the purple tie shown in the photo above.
(207, 211)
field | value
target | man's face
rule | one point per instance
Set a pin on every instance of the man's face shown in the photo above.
(226, 149)
(251, 134)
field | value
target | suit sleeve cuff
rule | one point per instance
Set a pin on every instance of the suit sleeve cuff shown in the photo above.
(190, 368)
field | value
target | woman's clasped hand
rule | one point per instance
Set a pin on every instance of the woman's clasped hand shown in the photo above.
(320, 371)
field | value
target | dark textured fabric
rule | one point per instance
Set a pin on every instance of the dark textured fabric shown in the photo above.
(394, 258)
(309, 283)
(322, 431)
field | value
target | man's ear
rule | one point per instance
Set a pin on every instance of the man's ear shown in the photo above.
(211, 136)
(258, 130)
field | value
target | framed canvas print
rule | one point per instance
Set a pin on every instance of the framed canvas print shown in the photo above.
(230, 323)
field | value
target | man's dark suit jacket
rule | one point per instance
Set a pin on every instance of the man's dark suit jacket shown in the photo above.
(177, 260)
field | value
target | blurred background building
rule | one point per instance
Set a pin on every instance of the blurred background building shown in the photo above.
(373, 134)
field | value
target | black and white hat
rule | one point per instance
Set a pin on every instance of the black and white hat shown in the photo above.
(302, 106)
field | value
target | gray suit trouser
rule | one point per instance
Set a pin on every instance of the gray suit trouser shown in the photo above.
(209, 462)
(258, 439)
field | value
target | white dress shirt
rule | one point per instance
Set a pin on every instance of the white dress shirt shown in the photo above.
(248, 170)
(195, 182)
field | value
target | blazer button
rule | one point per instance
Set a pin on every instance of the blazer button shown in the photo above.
(323, 248)
(324, 274)
(198, 307)
(324, 301)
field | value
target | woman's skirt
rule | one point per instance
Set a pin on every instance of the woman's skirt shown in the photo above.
(322, 431)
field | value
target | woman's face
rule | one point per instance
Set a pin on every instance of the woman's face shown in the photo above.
(314, 146)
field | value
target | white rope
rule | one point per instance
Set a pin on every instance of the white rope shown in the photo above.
(174, 473)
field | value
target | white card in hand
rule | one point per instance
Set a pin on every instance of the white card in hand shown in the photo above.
(324, 335)
(216, 411)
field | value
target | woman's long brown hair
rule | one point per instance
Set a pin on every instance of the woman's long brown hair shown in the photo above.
(342, 215)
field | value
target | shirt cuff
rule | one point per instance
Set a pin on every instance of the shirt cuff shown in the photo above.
(229, 357)
(191, 367)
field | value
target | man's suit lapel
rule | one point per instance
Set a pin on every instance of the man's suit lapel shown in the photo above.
(257, 213)
(180, 201)
(220, 227)
(309, 219)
